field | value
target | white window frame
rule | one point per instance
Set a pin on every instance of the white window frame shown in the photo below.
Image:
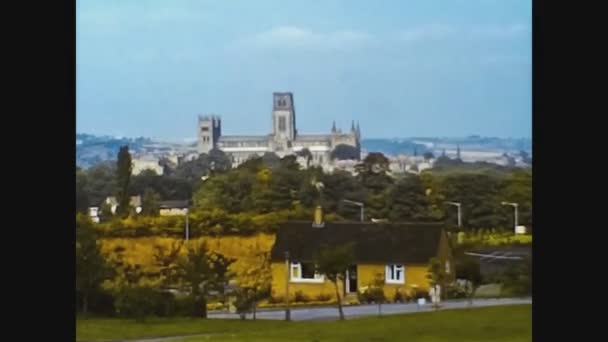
(388, 274)
(319, 278)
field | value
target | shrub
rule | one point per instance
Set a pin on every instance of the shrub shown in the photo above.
(300, 297)
(276, 300)
(136, 302)
(371, 294)
(166, 305)
(418, 293)
(399, 297)
(323, 297)
(455, 292)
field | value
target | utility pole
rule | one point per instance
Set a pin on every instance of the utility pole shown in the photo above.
(458, 205)
(187, 224)
(514, 205)
(359, 204)
(287, 311)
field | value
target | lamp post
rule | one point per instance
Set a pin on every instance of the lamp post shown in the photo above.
(514, 205)
(457, 205)
(357, 204)
(187, 224)
(287, 310)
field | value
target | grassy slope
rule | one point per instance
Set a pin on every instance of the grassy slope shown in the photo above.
(503, 323)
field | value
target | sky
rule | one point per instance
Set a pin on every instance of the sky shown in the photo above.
(432, 68)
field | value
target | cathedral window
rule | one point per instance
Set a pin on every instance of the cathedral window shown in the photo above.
(282, 124)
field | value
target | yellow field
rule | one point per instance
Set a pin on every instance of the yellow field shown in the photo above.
(244, 249)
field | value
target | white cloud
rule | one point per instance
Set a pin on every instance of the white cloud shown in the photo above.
(506, 31)
(119, 19)
(297, 37)
(440, 31)
(426, 32)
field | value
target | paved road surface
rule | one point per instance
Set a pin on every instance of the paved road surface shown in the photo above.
(331, 313)
(324, 313)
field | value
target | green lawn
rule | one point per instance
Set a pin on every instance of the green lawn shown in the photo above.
(500, 323)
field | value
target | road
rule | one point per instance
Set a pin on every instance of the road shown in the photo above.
(325, 313)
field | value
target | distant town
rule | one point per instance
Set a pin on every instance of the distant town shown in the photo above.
(402, 152)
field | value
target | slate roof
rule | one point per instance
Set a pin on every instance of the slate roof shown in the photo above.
(373, 242)
(175, 204)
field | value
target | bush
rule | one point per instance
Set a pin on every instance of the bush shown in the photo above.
(399, 297)
(137, 302)
(371, 294)
(455, 292)
(100, 302)
(166, 305)
(418, 293)
(323, 297)
(300, 297)
(276, 300)
(244, 302)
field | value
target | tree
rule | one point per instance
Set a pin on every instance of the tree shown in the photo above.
(221, 272)
(374, 163)
(124, 168)
(201, 272)
(436, 274)
(166, 262)
(345, 152)
(91, 266)
(219, 161)
(333, 262)
(100, 182)
(518, 189)
(375, 292)
(271, 159)
(372, 173)
(517, 279)
(150, 202)
(305, 153)
(82, 198)
(408, 200)
(469, 269)
(428, 155)
(480, 197)
(254, 282)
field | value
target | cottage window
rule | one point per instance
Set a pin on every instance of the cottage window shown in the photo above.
(305, 272)
(395, 274)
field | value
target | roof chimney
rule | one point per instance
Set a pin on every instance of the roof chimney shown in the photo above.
(318, 221)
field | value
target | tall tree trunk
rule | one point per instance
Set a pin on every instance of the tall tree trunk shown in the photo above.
(203, 302)
(339, 301)
(85, 303)
(255, 304)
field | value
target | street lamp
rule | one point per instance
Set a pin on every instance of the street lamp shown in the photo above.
(187, 224)
(514, 205)
(357, 204)
(457, 205)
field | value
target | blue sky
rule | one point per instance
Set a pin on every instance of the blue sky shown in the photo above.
(401, 68)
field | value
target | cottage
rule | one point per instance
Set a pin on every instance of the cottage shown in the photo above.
(134, 201)
(399, 253)
(173, 208)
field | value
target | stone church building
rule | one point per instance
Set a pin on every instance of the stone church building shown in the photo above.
(284, 139)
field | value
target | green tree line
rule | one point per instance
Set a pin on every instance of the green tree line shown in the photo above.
(266, 190)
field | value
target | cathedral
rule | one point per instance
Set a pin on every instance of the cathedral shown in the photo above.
(284, 139)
